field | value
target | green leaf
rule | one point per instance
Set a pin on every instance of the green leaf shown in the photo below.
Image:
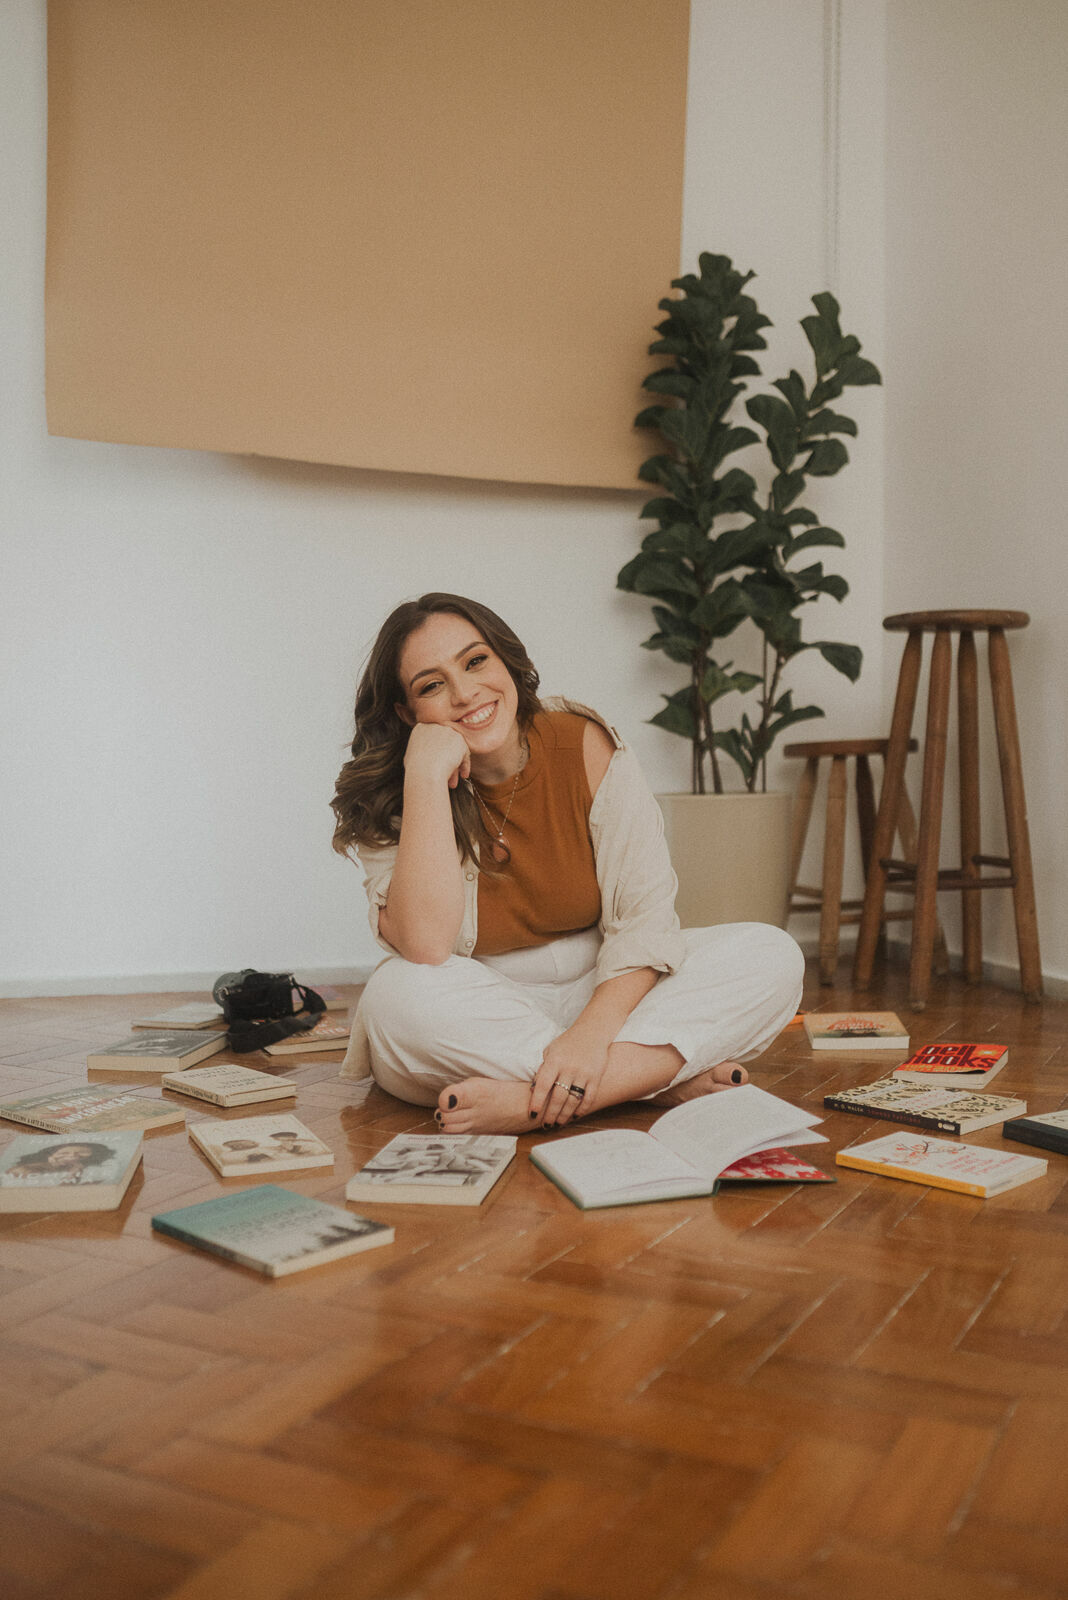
(845, 658)
(857, 371)
(718, 681)
(738, 545)
(793, 388)
(778, 421)
(664, 510)
(687, 430)
(786, 487)
(670, 381)
(676, 717)
(826, 421)
(730, 742)
(828, 457)
(650, 417)
(674, 646)
(812, 536)
(734, 492)
(744, 367)
(720, 612)
(658, 577)
(724, 442)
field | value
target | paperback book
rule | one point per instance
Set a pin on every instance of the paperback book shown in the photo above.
(324, 1036)
(943, 1110)
(252, 1145)
(272, 1230)
(954, 1065)
(1049, 1131)
(91, 1108)
(855, 1030)
(444, 1169)
(65, 1173)
(157, 1050)
(682, 1154)
(194, 1014)
(229, 1085)
(966, 1168)
(774, 1166)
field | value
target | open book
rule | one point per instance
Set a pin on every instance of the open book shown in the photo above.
(682, 1154)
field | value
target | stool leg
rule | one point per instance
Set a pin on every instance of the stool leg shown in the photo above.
(1012, 787)
(889, 802)
(930, 839)
(833, 865)
(866, 819)
(802, 811)
(968, 735)
(906, 827)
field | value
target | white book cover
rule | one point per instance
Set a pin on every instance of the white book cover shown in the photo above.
(68, 1172)
(229, 1084)
(456, 1169)
(249, 1146)
(967, 1168)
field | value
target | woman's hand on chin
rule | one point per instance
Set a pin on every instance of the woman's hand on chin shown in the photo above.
(437, 752)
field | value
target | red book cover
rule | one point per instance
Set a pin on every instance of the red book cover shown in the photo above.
(953, 1062)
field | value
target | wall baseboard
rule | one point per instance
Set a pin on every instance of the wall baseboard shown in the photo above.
(1005, 974)
(156, 983)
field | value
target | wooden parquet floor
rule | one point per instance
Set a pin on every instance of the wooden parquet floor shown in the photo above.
(859, 1390)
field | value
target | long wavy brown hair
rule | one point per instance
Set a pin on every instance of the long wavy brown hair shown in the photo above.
(369, 795)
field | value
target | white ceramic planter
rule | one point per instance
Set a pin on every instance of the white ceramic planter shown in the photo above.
(731, 853)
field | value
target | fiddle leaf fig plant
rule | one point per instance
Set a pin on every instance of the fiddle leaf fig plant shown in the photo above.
(721, 553)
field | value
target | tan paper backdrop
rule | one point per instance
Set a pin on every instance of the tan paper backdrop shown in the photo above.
(420, 235)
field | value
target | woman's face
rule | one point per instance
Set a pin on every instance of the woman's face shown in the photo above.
(450, 675)
(69, 1155)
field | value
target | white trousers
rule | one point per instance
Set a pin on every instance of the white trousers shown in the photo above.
(495, 1016)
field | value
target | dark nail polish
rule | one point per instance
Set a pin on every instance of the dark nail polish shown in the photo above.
(533, 1116)
(452, 1102)
(438, 1117)
(736, 1075)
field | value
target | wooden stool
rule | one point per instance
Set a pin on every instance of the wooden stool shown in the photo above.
(827, 900)
(924, 879)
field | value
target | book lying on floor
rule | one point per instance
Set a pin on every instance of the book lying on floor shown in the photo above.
(682, 1154)
(162, 1050)
(954, 1065)
(194, 1014)
(272, 1230)
(1048, 1130)
(91, 1108)
(229, 1085)
(967, 1168)
(944, 1110)
(855, 1030)
(331, 997)
(324, 1036)
(251, 1145)
(68, 1173)
(774, 1166)
(438, 1169)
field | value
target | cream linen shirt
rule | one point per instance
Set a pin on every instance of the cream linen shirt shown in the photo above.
(639, 927)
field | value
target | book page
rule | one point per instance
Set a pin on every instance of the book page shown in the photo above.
(614, 1161)
(715, 1130)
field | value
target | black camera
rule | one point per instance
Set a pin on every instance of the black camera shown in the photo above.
(251, 996)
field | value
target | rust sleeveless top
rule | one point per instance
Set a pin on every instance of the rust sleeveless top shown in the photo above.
(549, 887)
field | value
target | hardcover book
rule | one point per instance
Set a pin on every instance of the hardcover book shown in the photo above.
(683, 1153)
(955, 1065)
(91, 1108)
(944, 1110)
(69, 1172)
(444, 1169)
(157, 1050)
(1049, 1131)
(774, 1166)
(251, 1145)
(272, 1230)
(966, 1168)
(324, 1036)
(194, 1014)
(855, 1030)
(229, 1085)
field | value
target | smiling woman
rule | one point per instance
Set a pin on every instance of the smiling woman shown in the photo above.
(519, 882)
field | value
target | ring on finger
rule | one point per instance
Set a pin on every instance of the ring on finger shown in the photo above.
(574, 1089)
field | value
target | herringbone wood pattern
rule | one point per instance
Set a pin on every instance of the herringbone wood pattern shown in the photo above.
(854, 1391)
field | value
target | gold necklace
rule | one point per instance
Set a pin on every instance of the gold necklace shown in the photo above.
(508, 810)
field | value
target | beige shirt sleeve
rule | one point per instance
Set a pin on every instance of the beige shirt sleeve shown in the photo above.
(634, 872)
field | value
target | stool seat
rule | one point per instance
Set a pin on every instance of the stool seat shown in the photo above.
(921, 876)
(955, 621)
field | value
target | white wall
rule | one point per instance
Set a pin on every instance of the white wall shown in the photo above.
(977, 403)
(182, 632)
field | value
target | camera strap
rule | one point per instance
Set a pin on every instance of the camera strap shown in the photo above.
(244, 1036)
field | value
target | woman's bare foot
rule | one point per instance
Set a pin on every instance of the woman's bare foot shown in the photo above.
(726, 1075)
(486, 1105)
